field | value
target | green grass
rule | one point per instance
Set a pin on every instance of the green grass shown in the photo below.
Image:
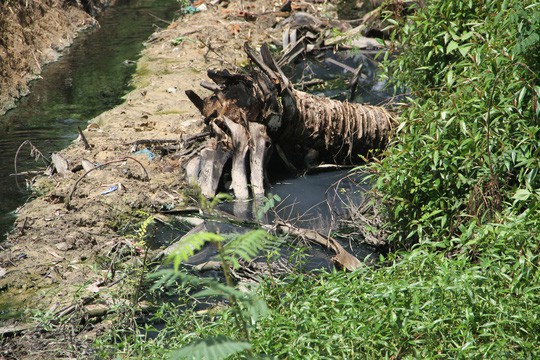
(420, 304)
(424, 304)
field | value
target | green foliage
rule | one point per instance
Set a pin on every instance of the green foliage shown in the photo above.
(470, 134)
(268, 203)
(142, 231)
(247, 246)
(179, 40)
(421, 305)
(424, 306)
(528, 33)
(433, 40)
(211, 348)
(247, 307)
(461, 177)
(240, 247)
(189, 245)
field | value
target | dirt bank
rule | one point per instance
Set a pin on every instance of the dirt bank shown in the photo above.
(33, 33)
(49, 241)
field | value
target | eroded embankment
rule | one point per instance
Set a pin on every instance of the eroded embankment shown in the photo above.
(51, 253)
(33, 33)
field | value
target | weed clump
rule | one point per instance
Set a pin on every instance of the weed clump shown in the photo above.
(468, 147)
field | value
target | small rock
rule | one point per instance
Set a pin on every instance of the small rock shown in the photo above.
(63, 246)
(87, 165)
(92, 127)
(172, 90)
(94, 288)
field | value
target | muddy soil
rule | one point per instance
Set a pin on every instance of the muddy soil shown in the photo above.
(34, 33)
(49, 260)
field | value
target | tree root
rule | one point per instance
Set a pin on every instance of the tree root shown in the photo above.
(250, 114)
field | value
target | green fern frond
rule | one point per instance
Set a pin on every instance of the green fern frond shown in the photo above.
(165, 278)
(217, 289)
(168, 277)
(141, 232)
(211, 348)
(252, 305)
(190, 244)
(247, 246)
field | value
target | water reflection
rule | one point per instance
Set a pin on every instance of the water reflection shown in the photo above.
(317, 202)
(91, 77)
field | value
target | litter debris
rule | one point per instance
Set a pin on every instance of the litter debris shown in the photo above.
(110, 190)
(60, 164)
(194, 7)
(149, 154)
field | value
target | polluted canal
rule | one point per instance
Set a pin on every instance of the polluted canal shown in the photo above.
(83, 235)
(323, 198)
(90, 78)
(85, 83)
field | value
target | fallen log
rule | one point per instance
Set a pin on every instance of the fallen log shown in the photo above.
(250, 114)
(343, 259)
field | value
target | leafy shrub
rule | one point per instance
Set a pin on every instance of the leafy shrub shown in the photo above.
(424, 306)
(469, 137)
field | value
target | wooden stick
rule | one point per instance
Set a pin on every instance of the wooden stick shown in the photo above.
(86, 144)
(342, 258)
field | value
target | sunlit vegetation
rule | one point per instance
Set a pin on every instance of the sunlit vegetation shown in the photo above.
(460, 187)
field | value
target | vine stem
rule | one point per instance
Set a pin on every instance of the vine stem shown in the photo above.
(143, 273)
(494, 179)
(38, 154)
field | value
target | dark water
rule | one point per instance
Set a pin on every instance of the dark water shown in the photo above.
(90, 78)
(337, 70)
(317, 201)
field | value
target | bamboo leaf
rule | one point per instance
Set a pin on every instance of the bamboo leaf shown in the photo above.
(521, 195)
(452, 46)
(464, 50)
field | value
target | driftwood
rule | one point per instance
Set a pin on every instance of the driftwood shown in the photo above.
(343, 258)
(249, 115)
